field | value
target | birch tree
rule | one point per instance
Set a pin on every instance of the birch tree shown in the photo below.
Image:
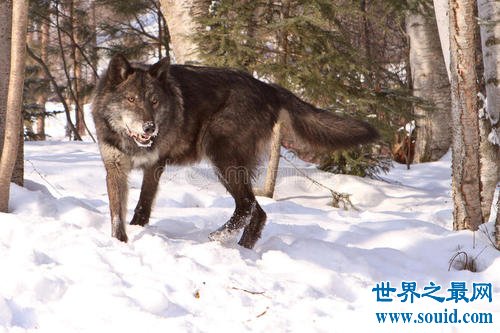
(441, 10)
(180, 16)
(13, 115)
(465, 144)
(489, 18)
(430, 82)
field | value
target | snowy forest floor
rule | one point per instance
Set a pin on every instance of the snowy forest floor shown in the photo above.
(313, 269)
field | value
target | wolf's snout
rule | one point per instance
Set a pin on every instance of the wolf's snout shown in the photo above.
(149, 127)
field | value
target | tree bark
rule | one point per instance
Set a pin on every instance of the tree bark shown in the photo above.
(18, 172)
(42, 98)
(430, 82)
(5, 41)
(77, 70)
(273, 164)
(14, 99)
(180, 16)
(489, 16)
(465, 161)
(497, 225)
(275, 149)
(93, 52)
(441, 9)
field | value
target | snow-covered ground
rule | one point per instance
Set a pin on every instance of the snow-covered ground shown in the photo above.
(313, 270)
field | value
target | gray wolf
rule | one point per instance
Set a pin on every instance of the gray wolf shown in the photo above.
(149, 116)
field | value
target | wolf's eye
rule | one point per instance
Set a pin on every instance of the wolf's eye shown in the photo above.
(131, 99)
(154, 101)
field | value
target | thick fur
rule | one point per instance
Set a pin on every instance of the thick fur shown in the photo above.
(220, 114)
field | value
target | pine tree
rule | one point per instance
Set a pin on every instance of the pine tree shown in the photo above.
(318, 58)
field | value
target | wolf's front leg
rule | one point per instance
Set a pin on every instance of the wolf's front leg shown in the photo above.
(116, 181)
(149, 188)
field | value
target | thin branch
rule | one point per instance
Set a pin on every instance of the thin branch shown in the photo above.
(262, 293)
(67, 34)
(43, 177)
(57, 90)
(68, 77)
(338, 198)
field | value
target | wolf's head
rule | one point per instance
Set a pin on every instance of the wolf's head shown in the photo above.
(131, 98)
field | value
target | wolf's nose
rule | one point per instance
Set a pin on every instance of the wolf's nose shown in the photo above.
(149, 127)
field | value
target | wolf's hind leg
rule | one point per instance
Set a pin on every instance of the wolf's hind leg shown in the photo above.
(149, 188)
(237, 181)
(253, 230)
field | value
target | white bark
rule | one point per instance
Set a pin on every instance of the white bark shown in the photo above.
(179, 15)
(430, 82)
(274, 160)
(441, 8)
(489, 16)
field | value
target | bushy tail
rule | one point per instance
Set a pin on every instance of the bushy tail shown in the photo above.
(310, 131)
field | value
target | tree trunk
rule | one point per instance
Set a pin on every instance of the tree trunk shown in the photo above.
(430, 82)
(497, 225)
(273, 164)
(441, 9)
(275, 150)
(489, 16)
(77, 70)
(465, 162)
(5, 41)
(93, 41)
(42, 98)
(18, 172)
(490, 163)
(14, 99)
(180, 16)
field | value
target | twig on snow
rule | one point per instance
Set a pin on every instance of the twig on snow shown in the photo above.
(339, 199)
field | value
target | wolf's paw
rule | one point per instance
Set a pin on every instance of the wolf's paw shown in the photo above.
(247, 241)
(121, 235)
(223, 235)
(139, 219)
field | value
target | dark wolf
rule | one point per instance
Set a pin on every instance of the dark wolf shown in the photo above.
(150, 116)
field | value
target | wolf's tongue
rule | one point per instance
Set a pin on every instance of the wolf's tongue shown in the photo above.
(142, 138)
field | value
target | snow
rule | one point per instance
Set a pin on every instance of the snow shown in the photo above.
(312, 271)
(494, 136)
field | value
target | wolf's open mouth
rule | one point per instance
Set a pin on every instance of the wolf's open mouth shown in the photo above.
(142, 140)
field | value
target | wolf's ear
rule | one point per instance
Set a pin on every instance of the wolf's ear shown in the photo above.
(160, 70)
(119, 70)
